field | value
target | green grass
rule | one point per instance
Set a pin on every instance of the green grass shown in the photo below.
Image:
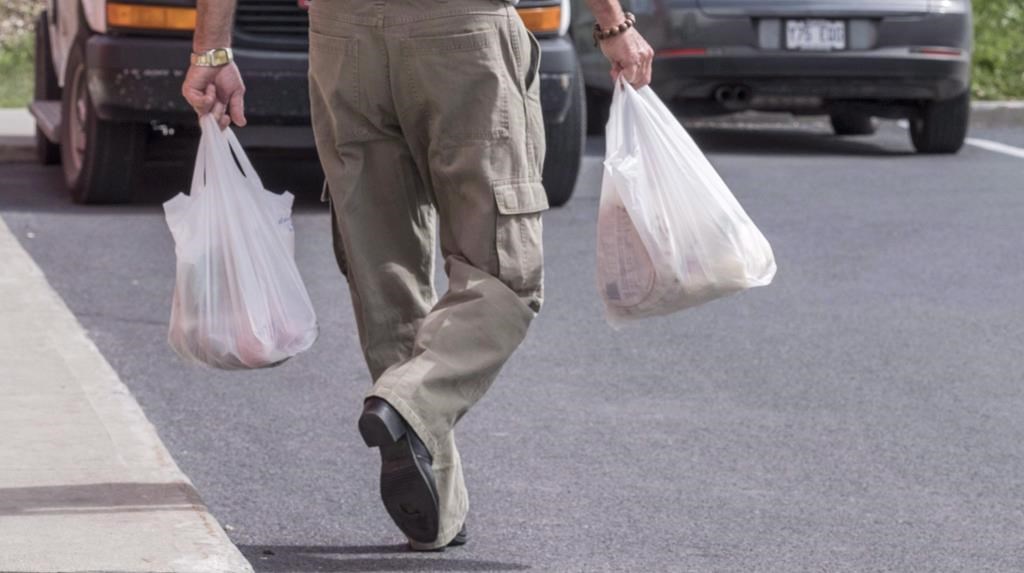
(16, 71)
(999, 49)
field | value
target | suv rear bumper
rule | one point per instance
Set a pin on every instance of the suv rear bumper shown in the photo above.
(896, 74)
(139, 79)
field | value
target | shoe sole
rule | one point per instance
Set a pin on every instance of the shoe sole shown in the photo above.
(406, 487)
(459, 540)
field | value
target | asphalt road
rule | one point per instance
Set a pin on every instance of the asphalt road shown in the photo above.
(863, 413)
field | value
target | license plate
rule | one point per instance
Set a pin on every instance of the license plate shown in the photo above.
(818, 35)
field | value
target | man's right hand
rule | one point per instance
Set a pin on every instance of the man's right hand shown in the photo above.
(631, 57)
(219, 91)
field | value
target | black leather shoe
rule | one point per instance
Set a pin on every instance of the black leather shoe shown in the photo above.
(407, 485)
(460, 539)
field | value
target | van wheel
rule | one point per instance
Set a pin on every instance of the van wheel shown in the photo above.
(853, 124)
(46, 88)
(564, 142)
(941, 126)
(101, 159)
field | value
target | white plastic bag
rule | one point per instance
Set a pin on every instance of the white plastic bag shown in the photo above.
(670, 234)
(239, 301)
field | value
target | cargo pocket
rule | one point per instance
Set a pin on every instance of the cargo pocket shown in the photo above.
(519, 238)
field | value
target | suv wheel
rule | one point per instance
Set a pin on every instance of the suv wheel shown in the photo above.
(46, 88)
(599, 103)
(941, 126)
(564, 142)
(101, 159)
(853, 124)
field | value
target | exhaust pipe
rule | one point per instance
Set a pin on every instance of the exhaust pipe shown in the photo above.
(724, 95)
(742, 95)
(733, 97)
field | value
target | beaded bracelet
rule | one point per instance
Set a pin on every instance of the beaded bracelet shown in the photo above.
(600, 34)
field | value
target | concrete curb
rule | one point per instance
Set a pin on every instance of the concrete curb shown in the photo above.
(17, 149)
(17, 136)
(86, 485)
(997, 113)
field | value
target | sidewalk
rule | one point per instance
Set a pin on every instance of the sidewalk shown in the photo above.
(17, 136)
(85, 482)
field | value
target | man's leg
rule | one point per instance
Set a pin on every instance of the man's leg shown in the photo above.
(383, 224)
(383, 219)
(466, 96)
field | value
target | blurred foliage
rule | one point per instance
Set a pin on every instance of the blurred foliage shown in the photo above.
(17, 21)
(16, 69)
(17, 18)
(999, 49)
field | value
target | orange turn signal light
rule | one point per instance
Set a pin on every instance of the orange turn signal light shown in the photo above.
(150, 17)
(542, 20)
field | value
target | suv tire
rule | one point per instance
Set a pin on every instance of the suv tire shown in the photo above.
(599, 103)
(941, 126)
(853, 124)
(101, 159)
(46, 88)
(564, 143)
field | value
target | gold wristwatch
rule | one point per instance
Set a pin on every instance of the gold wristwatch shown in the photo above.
(214, 58)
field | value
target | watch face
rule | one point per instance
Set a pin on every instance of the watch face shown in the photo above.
(212, 58)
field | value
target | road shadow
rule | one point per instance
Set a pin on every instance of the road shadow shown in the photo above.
(791, 142)
(99, 498)
(302, 558)
(168, 170)
(30, 187)
(775, 141)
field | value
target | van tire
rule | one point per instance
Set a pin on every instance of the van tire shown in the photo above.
(101, 159)
(46, 88)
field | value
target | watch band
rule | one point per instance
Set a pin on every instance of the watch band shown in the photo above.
(212, 58)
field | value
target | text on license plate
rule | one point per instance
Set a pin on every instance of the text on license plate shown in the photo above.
(815, 35)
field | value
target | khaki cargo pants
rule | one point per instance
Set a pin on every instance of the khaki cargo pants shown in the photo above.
(427, 118)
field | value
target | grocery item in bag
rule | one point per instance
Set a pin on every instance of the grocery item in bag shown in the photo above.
(239, 301)
(670, 233)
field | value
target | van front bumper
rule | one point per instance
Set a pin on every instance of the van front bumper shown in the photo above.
(139, 79)
(135, 78)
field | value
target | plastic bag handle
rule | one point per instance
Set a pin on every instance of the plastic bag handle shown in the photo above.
(247, 169)
(227, 138)
(621, 130)
(199, 172)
